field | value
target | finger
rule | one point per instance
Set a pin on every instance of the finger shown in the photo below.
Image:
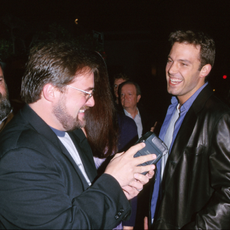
(150, 174)
(135, 148)
(145, 158)
(146, 227)
(137, 185)
(143, 169)
(143, 179)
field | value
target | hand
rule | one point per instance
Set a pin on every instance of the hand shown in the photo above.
(124, 167)
(136, 186)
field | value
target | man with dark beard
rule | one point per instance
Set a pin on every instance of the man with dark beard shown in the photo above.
(5, 107)
(48, 179)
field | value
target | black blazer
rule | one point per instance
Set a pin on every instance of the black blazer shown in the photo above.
(196, 182)
(42, 187)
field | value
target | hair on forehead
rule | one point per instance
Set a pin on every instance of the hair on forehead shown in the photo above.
(199, 40)
(129, 82)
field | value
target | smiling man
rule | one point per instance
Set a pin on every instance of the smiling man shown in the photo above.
(47, 173)
(192, 185)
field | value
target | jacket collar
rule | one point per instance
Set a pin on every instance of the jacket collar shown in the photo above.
(188, 124)
(77, 137)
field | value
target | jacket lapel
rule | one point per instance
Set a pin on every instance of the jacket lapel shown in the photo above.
(56, 147)
(186, 129)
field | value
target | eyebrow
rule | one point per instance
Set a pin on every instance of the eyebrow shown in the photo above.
(184, 60)
(181, 60)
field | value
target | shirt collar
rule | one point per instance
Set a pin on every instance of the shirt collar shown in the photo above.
(58, 132)
(128, 114)
(188, 103)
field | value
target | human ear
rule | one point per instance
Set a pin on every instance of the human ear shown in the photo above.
(205, 70)
(138, 98)
(49, 92)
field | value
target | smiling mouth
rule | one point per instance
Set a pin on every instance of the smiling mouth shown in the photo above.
(174, 81)
(81, 110)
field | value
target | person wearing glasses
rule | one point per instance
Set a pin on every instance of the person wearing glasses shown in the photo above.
(48, 179)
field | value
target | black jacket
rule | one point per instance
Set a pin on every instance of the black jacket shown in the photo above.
(41, 186)
(196, 182)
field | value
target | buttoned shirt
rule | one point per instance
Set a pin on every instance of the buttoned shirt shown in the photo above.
(137, 120)
(171, 109)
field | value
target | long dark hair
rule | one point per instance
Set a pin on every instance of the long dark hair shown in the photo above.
(101, 120)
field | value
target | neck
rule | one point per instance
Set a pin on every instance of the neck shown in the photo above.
(133, 111)
(46, 114)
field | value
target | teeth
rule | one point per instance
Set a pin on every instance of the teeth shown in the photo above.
(175, 81)
(81, 111)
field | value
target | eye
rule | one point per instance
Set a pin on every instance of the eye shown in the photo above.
(184, 64)
(169, 60)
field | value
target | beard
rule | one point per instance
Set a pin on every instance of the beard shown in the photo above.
(5, 106)
(68, 122)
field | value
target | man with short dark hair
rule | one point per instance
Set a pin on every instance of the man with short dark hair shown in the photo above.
(6, 113)
(192, 182)
(47, 173)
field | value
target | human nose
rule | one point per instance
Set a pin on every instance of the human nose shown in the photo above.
(171, 68)
(90, 102)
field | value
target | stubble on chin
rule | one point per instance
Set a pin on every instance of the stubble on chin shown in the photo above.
(67, 121)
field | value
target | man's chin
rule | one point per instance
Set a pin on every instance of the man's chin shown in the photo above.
(81, 122)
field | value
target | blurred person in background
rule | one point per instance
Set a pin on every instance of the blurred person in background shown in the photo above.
(130, 95)
(117, 80)
(6, 111)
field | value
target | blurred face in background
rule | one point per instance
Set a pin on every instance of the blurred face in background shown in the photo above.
(5, 106)
(117, 82)
(129, 97)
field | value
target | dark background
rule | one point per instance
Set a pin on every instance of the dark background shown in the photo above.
(132, 35)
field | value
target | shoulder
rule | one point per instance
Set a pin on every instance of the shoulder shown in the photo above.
(20, 134)
(126, 121)
(215, 107)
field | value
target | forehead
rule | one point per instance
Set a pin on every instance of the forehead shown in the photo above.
(129, 87)
(185, 51)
